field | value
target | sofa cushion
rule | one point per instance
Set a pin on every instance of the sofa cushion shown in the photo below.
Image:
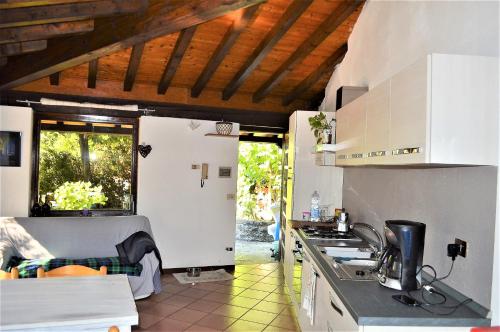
(27, 267)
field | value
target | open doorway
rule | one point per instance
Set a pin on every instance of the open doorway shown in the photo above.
(259, 195)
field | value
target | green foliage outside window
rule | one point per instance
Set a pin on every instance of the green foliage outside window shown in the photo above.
(259, 180)
(101, 160)
(78, 196)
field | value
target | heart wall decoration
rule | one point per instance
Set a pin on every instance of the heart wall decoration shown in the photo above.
(144, 150)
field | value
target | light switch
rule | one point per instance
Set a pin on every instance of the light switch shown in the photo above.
(230, 197)
(194, 166)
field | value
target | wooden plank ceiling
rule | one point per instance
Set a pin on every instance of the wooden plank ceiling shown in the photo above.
(274, 55)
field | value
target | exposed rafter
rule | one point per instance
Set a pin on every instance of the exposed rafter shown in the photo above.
(44, 31)
(175, 59)
(92, 79)
(326, 67)
(293, 12)
(114, 34)
(23, 47)
(224, 47)
(23, 16)
(133, 66)
(330, 24)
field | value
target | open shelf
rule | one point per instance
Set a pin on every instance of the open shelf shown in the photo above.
(219, 135)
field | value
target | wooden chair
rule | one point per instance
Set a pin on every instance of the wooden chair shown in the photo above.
(71, 271)
(13, 274)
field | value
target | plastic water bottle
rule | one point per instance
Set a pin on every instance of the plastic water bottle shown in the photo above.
(315, 214)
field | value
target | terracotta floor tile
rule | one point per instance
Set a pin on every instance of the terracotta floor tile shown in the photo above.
(243, 268)
(263, 287)
(218, 297)
(217, 322)
(230, 311)
(258, 316)
(273, 307)
(239, 283)
(188, 315)
(167, 324)
(194, 293)
(205, 306)
(227, 289)
(269, 266)
(278, 329)
(282, 290)
(179, 301)
(250, 277)
(144, 303)
(245, 326)
(161, 310)
(259, 272)
(273, 281)
(245, 302)
(160, 297)
(279, 298)
(254, 294)
(286, 322)
(172, 288)
(197, 328)
(288, 311)
(146, 320)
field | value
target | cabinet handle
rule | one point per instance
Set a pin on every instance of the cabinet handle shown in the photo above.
(396, 152)
(377, 154)
(337, 309)
(356, 155)
(342, 156)
(299, 260)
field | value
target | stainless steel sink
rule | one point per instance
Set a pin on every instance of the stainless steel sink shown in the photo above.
(357, 262)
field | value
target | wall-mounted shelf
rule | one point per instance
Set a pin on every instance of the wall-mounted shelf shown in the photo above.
(219, 135)
(332, 148)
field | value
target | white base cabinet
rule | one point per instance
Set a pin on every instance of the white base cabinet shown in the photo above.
(441, 110)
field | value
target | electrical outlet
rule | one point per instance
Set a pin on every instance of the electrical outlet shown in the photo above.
(230, 197)
(463, 247)
(229, 248)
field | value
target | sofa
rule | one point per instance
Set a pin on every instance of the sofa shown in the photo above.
(78, 237)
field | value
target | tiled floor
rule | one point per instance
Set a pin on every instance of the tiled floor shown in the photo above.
(256, 300)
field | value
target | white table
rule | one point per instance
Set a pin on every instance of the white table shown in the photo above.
(67, 304)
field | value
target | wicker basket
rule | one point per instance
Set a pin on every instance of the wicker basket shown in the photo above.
(224, 127)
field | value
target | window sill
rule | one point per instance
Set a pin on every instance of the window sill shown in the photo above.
(94, 213)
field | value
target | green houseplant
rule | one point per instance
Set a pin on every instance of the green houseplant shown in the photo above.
(321, 127)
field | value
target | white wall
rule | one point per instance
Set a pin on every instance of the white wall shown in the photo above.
(15, 181)
(192, 226)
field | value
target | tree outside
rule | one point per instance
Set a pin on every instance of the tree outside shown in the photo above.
(259, 180)
(85, 170)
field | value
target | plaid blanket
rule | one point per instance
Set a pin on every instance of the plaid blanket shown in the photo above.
(27, 267)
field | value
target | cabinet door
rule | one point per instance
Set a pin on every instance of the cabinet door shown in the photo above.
(409, 108)
(331, 311)
(377, 145)
(289, 258)
(351, 126)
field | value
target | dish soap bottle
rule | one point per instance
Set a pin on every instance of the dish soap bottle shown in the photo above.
(315, 214)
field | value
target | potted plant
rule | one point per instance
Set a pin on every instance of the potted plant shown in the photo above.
(322, 128)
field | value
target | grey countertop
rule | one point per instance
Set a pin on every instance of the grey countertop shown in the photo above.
(372, 304)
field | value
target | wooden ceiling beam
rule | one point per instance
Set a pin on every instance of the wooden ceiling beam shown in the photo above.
(222, 49)
(18, 17)
(3, 61)
(293, 12)
(92, 78)
(115, 34)
(54, 78)
(175, 59)
(329, 25)
(44, 31)
(23, 47)
(9, 4)
(133, 66)
(326, 67)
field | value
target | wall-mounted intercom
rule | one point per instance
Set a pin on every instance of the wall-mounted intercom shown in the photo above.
(204, 173)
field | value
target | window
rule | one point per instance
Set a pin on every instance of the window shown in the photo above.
(85, 163)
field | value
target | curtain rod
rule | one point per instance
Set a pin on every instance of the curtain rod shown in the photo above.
(146, 111)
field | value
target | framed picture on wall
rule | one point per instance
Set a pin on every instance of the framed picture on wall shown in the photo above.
(10, 148)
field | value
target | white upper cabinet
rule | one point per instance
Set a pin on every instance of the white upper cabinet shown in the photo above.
(441, 110)
(351, 131)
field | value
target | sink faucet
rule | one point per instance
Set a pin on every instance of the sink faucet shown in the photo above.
(380, 247)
